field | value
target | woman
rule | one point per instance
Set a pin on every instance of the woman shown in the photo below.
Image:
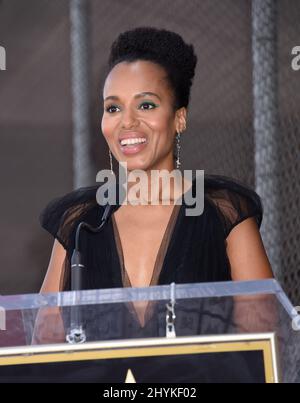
(157, 62)
(146, 95)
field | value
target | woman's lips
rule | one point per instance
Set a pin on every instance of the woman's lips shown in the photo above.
(133, 148)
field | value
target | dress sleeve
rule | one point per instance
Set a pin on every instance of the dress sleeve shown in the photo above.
(234, 201)
(60, 216)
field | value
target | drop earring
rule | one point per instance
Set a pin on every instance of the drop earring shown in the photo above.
(110, 161)
(178, 147)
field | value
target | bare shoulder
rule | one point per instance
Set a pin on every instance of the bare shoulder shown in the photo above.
(246, 252)
(54, 273)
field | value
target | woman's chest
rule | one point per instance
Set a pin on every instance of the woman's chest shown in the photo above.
(142, 241)
(192, 249)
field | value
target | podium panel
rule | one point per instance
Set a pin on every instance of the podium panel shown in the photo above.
(159, 359)
(199, 333)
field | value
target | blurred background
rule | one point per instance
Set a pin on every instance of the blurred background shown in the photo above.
(243, 121)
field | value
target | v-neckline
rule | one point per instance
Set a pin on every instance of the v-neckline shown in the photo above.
(161, 253)
(160, 261)
(164, 249)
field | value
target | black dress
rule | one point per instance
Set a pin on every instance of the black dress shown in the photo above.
(193, 249)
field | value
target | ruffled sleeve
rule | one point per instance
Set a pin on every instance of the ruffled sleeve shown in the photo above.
(234, 201)
(60, 216)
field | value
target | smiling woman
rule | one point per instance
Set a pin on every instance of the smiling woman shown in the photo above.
(146, 96)
(140, 127)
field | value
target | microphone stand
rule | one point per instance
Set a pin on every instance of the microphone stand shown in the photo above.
(77, 333)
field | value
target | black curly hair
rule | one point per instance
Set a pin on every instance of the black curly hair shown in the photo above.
(164, 48)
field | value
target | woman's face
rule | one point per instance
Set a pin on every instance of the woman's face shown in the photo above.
(147, 121)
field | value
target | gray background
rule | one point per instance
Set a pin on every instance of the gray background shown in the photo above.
(36, 124)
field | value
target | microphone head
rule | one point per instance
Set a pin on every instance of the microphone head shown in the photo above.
(110, 195)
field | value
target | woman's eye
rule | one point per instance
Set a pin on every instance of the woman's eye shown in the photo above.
(109, 108)
(149, 104)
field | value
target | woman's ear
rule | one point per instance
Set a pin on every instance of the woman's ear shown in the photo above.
(180, 123)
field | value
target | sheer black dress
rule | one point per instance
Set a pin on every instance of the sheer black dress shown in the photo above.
(193, 249)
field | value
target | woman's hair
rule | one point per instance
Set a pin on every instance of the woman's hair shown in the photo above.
(164, 48)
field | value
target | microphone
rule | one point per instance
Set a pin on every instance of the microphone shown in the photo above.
(77, 265)
(77, 333)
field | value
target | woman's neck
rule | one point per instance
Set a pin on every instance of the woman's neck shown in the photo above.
(156, 187)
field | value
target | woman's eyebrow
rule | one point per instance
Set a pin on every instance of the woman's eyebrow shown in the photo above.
(140, 95)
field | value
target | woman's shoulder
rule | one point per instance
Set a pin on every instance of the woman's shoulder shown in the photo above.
(233, 200)
(61, 213)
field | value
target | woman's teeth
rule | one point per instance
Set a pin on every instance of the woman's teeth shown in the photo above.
(132, 141)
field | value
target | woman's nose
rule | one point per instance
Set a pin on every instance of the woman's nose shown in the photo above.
(129, 119)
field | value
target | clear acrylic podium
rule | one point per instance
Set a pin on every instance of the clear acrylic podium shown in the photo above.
(219, 332)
